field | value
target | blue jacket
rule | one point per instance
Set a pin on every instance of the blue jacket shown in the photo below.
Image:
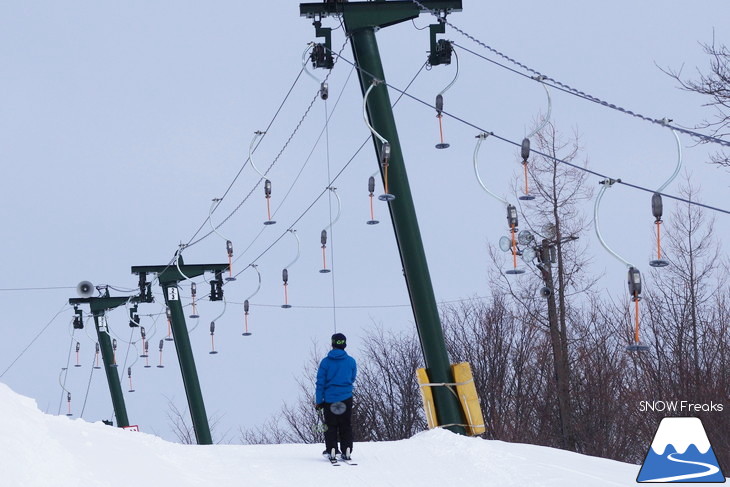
(335, 377)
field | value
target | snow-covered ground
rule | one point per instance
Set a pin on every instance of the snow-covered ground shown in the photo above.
(38, 450)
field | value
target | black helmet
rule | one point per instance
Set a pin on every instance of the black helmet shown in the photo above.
(339, 341)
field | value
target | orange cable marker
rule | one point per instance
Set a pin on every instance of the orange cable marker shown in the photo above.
(441, 128)
(514, 246)
(636, 329)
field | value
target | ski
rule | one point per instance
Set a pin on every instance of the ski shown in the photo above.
(345, 458)
(333, 461)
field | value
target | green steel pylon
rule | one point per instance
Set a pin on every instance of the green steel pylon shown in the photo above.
(99, 306)
(361, 20)
(169, 276)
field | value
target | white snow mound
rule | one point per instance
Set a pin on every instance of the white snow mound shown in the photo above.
(38, 450)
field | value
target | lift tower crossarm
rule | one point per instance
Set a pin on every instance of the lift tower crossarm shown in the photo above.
(169, 275)
(388, 12)
(99, 306)
(361, 20)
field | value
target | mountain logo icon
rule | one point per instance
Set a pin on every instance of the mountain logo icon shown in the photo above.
(680, 452)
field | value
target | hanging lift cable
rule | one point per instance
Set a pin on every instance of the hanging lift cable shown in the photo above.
(192, 242)
(657, 206)
(63, 309)
(223, 311)
(238, 174)
(546, 119)
(677, 168)
(456, 75)
(331, 182)
(216, 202)
(377, 135)
(404, 92)
(332, 222)
(369, 306)
(64, 372)
(564, 87)
(258, 287)
(596, 223)
(323, 132)
(130, 343)
(304, 165)
(48, 288)
(480, 138)
(336, 177)
(88, 389)
(258, 183)
(301, 170)
(326, 189)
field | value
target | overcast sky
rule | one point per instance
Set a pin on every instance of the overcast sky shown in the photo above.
(121, 123)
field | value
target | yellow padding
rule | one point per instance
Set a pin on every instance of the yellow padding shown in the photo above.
(467, 393)
(427, 397)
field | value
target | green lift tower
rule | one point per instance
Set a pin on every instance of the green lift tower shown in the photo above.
(361, 20)
(169, 276)
(99, 306)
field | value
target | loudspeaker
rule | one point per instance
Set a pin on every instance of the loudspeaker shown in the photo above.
(85, 289)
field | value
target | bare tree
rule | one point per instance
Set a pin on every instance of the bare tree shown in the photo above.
(687, 318)
(387, 403)
(524, 356)
(179, 420)
(507, 356)
(604, 384)
(555, 218)
(714, 85)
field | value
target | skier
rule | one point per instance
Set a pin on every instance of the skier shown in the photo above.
(333, 395)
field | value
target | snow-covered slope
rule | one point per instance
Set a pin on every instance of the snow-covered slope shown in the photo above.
(38, 450)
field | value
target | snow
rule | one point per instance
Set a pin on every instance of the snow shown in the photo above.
(680, 432)
(38, 450)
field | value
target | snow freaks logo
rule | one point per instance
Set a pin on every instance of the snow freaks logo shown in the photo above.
(680, 452)
(679, 407)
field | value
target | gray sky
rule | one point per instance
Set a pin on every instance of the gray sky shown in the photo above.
(120, 123)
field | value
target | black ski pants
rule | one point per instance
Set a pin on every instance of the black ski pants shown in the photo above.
(338, 426)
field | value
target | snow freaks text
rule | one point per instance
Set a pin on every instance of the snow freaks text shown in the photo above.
(679, 407)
